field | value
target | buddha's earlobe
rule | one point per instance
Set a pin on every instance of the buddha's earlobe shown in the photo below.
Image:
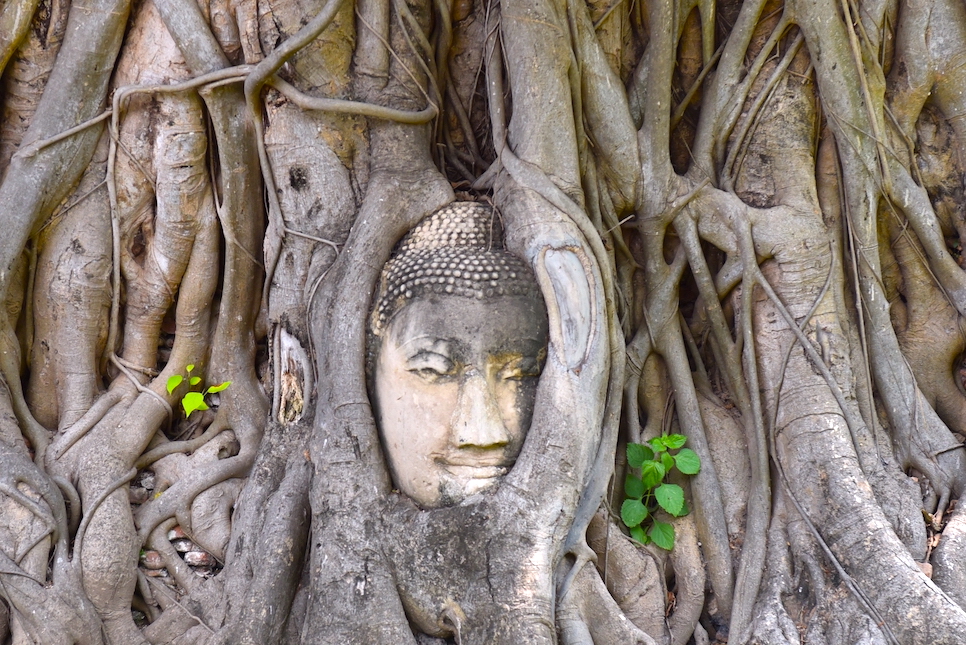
(562, 273)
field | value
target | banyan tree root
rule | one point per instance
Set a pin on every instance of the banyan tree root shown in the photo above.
(634, 576)
(35, 596)
(745, 202)
(590, 615)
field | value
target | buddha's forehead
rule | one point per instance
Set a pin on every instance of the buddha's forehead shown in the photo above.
(472, 326)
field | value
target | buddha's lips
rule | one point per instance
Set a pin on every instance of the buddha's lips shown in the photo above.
(474, 471)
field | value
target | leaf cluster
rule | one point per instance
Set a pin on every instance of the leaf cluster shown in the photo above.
(193, 399)
(647, 491)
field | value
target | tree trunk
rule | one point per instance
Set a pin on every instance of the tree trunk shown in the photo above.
(745, 222)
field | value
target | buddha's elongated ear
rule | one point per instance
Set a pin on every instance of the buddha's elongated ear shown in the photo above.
(565, 276)
(570, 417)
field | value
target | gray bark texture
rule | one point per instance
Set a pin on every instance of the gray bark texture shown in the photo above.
(746, 221)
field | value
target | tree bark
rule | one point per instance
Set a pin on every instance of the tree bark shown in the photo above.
(744, 219)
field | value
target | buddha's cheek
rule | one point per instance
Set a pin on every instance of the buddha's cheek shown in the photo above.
(414, 419)
(515, 400)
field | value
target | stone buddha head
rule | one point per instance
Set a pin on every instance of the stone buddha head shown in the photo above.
(458, 337)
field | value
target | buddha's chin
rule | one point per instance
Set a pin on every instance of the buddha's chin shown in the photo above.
(475, 486)
(460, 482)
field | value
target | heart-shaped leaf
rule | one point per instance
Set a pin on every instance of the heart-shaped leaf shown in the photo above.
(173, 382)
(652, 472)
(193, 401)
(633, 512)
(637, 454)
(663, 535)
(219, 387)
(688, 461)
(634, 487)
(671, 498)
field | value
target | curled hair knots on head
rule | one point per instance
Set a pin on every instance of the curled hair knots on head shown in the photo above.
(458, 250)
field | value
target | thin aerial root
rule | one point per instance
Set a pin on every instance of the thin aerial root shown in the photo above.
(290, 46)
(35, 147)
(172, 597)
(178, 568)
(140, 388)
(582, 554)
(30, 547)
(359, 108)
(92, 417)
(40, 512)
(150, 372)
(172, 447)
(73, 499)
(853, 586)
(854, 424)
(695, 86)
(733, 162)
(314, 238)
(10, 568)
(236, 74)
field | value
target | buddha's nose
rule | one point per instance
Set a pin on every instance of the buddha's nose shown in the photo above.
(477, 421)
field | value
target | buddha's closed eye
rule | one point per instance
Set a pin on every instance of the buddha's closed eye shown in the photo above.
(431, 366)
(519, 368)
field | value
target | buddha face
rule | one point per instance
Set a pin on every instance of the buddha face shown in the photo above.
(455, 381)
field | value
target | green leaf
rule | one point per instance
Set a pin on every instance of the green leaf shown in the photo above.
(193, 401)
(674, 441)
(633, 512)
(173, 382)
(688, 461)
(634, 487)
(671, 498)
(652, 472)
(663, 535)
(657, 443)
(638, 534)
(637, 454)
(194, 380)
(667, 461)
(218, 388)
(189, 367)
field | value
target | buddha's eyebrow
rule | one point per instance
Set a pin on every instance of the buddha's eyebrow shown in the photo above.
(426, 342)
